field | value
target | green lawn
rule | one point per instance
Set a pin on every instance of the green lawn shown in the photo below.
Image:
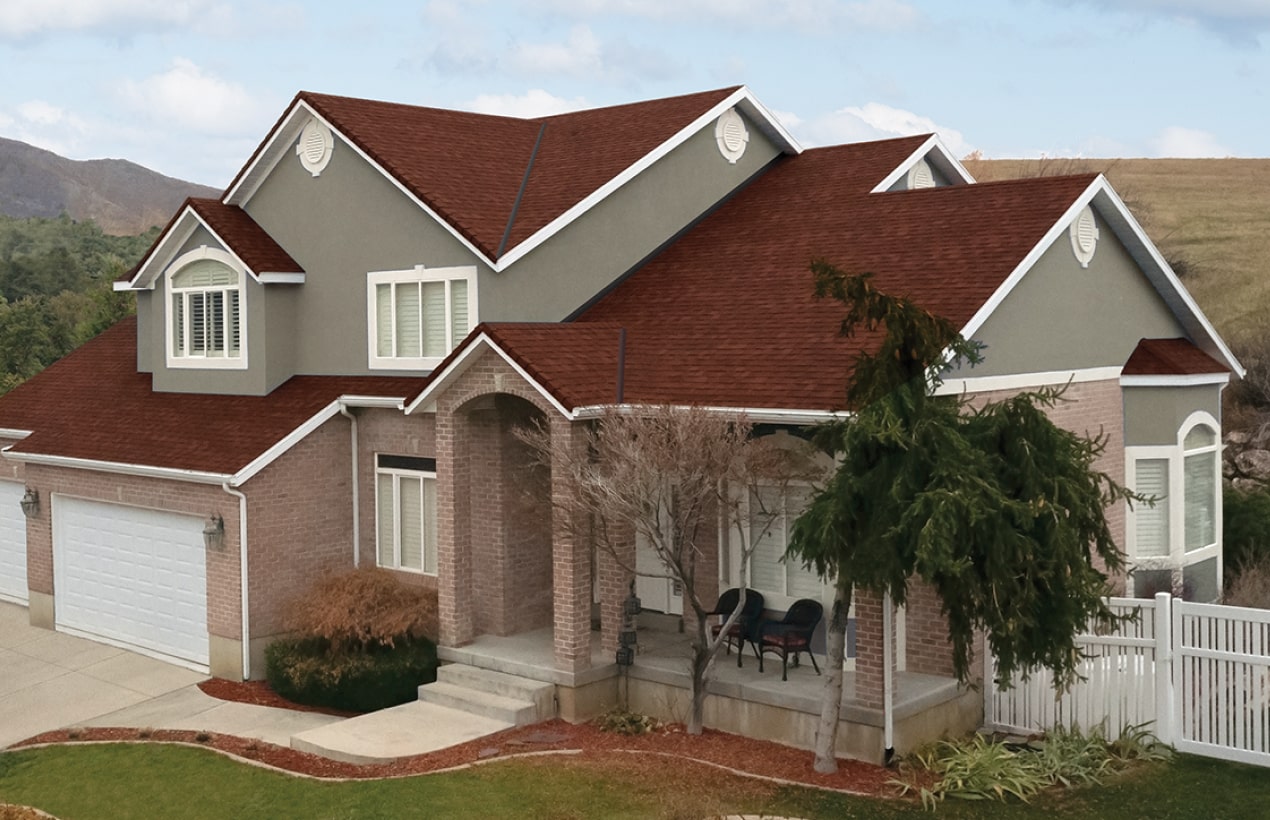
(154, 780)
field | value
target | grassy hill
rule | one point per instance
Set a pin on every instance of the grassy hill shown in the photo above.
(1209, 217)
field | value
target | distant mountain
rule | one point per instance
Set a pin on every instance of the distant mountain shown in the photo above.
(123, 198)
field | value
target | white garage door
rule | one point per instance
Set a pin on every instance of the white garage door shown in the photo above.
(131, 575)
(12, 544)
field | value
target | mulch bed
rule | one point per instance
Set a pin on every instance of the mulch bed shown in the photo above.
(755, 757)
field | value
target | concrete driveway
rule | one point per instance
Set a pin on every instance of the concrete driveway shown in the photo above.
(49, 680)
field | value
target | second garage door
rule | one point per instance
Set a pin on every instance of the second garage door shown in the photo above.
(131, 575)
(12, 543)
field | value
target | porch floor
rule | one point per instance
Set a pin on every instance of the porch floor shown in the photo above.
(662, 657)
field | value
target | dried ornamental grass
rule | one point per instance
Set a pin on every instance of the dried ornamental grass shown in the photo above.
(364, 607)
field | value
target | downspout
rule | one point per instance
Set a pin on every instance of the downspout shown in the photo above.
(357, 499)
(888, 678)
(242, 576)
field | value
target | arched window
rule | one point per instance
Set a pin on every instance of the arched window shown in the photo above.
(205, 321)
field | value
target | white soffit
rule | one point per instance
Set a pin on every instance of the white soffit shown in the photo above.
(934, 152)
(1103, 198)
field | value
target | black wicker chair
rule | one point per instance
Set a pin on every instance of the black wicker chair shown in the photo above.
(747, 623)
(791, 635)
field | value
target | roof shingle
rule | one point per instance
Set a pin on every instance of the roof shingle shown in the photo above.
(1170, 357)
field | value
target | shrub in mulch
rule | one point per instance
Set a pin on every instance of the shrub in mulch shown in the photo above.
(310, 671)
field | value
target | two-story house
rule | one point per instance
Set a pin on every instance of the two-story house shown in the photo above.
(328, 361)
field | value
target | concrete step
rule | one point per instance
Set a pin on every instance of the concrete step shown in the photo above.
(541, 695)
(483, 704)
(391, 734)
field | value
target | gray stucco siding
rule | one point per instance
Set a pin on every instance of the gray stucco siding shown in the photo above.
(1153, 415)
(1061, 316)
(592, 252)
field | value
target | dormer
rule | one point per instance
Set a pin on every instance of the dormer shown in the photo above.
(932, 165)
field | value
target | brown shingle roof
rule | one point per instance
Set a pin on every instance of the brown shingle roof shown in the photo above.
(469, 167)
(1170, 357)
(725, 316)
(94, 405)
(245, 238)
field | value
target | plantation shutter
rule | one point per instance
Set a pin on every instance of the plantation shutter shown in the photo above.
(385, 534)
(411, 497)
(802, 583)
(383, 320)
(429, 525)
(435, 331)
(235, 333)
(458, 312)
(1200, 475)
(216, 322)
(1152, 522)
(767, 540)
(178, 324)
(198, 322)
(408, 331)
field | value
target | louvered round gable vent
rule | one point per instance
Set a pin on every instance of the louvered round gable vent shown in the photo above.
(731, 135)
(314, 147)
(1084, 234)
(921, 176)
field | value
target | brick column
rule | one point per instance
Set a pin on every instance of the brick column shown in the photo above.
(869, 645)
(926, 632)
(571, 568)
(456, 622)
(615, 586)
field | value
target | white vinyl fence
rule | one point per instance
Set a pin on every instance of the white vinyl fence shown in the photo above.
(1199, 674)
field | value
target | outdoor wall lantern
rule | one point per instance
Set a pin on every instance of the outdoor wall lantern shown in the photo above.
(30, 503)
(214, 532)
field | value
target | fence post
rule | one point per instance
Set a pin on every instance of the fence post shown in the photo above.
(1164, 728)
(989, 689)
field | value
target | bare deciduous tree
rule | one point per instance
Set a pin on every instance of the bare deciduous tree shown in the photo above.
(676, 479)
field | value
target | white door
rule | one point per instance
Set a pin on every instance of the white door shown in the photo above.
(656, 590)
(131, 575)
(12, 544)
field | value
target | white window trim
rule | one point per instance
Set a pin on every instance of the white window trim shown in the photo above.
(397, 473)
(418, 273)
(188, 362)
(1175, 454)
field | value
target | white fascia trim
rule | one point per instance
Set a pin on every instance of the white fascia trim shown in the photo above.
(14, 434)
(119, 468)
(1022, 381)
(148, 273)
(288, 131)
(1188, 380)
(757, 415)
(274, 278)
(284, 444)
(946, 163)
(463, 361)
(741, 96)
(387, 402)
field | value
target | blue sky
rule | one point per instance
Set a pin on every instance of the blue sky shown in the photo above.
(188, 87)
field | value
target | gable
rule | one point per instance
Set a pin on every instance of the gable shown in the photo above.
(931, 159)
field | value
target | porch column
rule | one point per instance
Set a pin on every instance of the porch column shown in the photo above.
(456, 624)
(926, 632)
(869, 649)
(571, 566)
(615, 585)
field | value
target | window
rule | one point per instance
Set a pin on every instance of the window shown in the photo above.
(772, 515)
(1175, 544)
(204, 321)
(417, 316)
(406, 513)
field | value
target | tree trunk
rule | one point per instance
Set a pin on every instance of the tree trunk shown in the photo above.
(831, 698)
(702, 655)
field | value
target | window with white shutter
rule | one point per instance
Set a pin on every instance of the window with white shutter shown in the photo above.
(205, 311)
(416, 317)
(772, 515)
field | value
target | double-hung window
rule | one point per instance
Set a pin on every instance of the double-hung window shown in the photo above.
(416, 317)
(1174, 545)
(406, 513)
(205, 311)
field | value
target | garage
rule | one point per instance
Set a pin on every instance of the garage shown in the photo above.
(12, 544)
(132, 576)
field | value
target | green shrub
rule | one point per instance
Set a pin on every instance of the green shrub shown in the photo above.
(307, 670)
(1245, 529)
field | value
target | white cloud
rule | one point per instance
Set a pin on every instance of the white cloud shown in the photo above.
(885, 15)
(579, 54)
(189, 97)
(26, 18)
(874, 121)
(533, 103)
(44, 125)
(1176, 141)
(1238, 21)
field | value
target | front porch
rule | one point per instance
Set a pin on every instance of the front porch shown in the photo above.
(743, 700)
